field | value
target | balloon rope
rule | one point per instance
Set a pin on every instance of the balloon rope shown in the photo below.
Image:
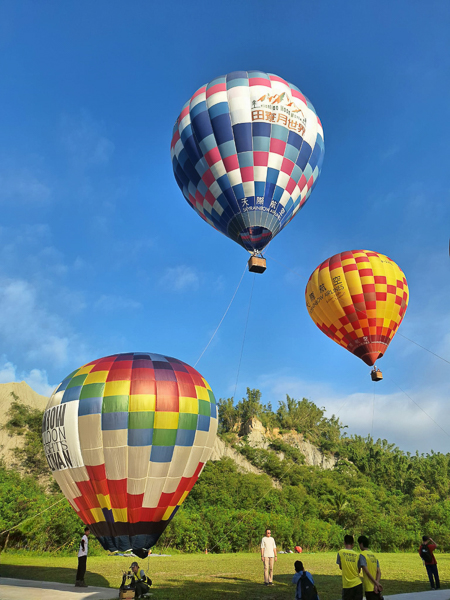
(225, 314)
(418, 405)
(243, 339)
(32, 517)
(260, 500)
(373, 404)
(423, 347)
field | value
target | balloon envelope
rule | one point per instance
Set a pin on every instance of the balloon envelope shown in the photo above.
(358, 299)
(247, 149)
(126, 437)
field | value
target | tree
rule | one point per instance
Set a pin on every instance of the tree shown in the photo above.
(249, 407)
(228, 415)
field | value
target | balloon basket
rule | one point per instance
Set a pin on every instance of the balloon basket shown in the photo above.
(376, 374)
(257, 264)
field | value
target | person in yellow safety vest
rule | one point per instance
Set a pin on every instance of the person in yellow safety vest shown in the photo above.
(370, 567)
(141, 582)
(347, 559)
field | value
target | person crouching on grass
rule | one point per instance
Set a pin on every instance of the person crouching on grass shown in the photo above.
(305, 588)
(139, 581)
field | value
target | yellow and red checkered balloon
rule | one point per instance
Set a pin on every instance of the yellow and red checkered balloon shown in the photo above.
(358, 299)
(126, 437)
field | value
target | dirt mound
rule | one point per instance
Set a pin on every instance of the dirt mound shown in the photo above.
(8, 393)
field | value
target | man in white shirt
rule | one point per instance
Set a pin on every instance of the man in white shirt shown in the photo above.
(268, 555)
(82, 559)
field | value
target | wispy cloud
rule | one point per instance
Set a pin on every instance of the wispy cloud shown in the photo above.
(21, 185)
(111, 303)
(85, 140)
(180, 279)
(28, 250)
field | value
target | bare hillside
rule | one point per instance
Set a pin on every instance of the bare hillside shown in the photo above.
(26, 395)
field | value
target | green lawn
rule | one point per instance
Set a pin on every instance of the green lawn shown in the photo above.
(216, 576)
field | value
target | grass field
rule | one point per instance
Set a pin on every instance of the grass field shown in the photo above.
(216, 576)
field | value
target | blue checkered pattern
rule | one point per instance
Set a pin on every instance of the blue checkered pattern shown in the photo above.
(247, 150)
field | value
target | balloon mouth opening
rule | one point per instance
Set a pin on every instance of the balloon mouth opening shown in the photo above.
(371, 357)
(255, 239)
(141, 552)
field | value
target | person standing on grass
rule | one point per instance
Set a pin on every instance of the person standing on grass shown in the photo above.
(268, 555)
(347, 559)
(370, 567)
(82, 559)
(426, 550)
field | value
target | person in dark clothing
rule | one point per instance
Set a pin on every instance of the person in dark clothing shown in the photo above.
(430, 561)
(82, 559)
(299, 572)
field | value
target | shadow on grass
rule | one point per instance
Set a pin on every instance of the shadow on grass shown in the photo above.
(51, 574)
(223, 587)
(216, 587)
(329, 587)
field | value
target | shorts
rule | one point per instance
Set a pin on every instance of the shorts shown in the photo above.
(354, 593)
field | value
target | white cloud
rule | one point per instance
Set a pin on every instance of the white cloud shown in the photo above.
(36, 378)
(27, 327)
(7, 372)
(38, 381)
(411, 419)
(180, 279)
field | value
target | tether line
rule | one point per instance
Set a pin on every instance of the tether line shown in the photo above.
(418, 405)
(243, 339)
(260, 500)
(423, 348)
(373, 405)
(32, 517)
(224, 315)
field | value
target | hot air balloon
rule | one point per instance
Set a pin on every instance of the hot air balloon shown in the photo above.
(126, 438)
(358, 299)
(247, 150)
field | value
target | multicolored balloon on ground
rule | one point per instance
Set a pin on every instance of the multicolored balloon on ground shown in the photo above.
(247, 150)
(358, 299)
(126, 438)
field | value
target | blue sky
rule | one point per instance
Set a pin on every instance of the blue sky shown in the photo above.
(100, 253)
